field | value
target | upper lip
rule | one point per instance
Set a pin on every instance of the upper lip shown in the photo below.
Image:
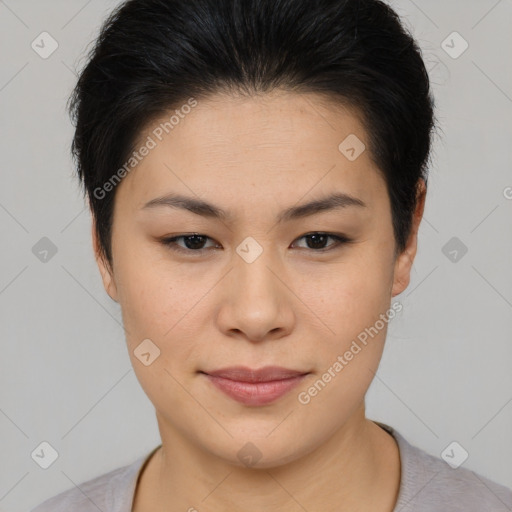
(265, 374)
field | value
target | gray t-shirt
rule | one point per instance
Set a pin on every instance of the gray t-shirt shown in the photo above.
(428, 484)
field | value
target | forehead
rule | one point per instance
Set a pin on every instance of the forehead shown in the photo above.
(279, 119)
(278, 143)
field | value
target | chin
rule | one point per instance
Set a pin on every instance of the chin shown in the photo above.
(259, 451)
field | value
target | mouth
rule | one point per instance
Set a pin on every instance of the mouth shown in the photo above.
(255, 387)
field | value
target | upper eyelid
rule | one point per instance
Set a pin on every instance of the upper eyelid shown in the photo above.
(186, 235)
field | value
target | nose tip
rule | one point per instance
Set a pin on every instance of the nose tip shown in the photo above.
(255, 302)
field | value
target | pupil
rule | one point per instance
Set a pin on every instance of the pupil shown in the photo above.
(198, 239)
(318, 238)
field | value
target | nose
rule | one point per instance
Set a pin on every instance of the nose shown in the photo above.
(256, 302)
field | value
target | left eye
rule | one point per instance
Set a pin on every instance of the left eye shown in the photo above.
(318, 241)
(194, 243)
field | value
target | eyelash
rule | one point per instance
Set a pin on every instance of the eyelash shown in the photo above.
(170, 243)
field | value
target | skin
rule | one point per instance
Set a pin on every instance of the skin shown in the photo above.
(293, 306)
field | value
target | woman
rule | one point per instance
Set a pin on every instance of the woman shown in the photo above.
(256, 172)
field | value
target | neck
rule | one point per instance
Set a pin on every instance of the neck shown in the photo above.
(357, 469)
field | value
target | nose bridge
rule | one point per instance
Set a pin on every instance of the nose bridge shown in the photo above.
(256, 301)
(255, 274)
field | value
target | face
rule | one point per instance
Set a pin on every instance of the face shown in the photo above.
(265, 283)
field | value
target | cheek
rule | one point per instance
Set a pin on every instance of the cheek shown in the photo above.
(351, 296)
(353, 305)
(152, 297)
(163, 302)
(156, 305)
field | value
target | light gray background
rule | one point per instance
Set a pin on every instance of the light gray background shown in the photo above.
(65, 375)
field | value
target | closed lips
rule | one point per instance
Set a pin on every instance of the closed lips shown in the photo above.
(265, 374)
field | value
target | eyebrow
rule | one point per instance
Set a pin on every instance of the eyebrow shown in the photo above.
(200, 207)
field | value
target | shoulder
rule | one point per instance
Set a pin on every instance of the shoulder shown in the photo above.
(430, 484)
(110, 492)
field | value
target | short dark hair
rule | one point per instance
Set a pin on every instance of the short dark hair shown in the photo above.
(153, 55)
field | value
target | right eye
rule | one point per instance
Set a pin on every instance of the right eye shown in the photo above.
(194, 243)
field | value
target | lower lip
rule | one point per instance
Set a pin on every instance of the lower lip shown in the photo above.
(255, 393)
